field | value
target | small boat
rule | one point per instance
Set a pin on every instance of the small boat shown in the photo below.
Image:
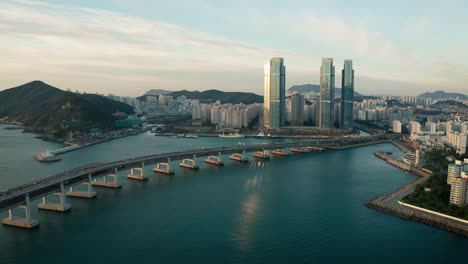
(191, 136)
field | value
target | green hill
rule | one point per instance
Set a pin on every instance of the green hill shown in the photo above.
(443, 95)
(315, 88)
(41, 106)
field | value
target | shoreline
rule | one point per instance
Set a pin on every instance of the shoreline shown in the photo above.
(382, 203)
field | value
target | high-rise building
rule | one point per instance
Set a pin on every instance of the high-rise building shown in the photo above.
(274, 108)
(297, 110)
(457, 177)
(347, 94)
(396, 126)
(327, 94)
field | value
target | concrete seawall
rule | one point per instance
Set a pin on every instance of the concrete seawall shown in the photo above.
(425, 218)
(382, 203)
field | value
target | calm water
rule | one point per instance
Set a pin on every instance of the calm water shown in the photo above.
(298, 209)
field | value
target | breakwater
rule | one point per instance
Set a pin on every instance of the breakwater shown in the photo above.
(382, 203)
(392, 161)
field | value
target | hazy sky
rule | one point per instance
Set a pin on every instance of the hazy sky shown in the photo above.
(126, 47)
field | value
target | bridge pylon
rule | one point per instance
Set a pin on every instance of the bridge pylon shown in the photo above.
(89, 193)
(106, 183)
(26, 222)
(58, 207)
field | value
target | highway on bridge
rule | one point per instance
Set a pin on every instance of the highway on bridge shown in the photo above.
(40, 188)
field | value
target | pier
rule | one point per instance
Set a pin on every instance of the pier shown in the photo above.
(216, 160)
(96, 174)
(261, 154)
(280, 152)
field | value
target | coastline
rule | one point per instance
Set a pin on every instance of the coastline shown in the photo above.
(382, 203)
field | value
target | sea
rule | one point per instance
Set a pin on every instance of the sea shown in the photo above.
(304, 208)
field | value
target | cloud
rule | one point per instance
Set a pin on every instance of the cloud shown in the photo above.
(100, 50)
(88, 42)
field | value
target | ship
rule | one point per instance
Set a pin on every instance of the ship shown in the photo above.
(46, 157)
(191, 136)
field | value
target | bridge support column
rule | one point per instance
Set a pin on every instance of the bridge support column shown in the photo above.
(107, 184)
(216, 160)
(80, 194)
(163, 167)
(140, 176)
(58, 207)
(26, 222)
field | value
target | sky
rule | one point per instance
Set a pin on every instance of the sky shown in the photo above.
(126, 47)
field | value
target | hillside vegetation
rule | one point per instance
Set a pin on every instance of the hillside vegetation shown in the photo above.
(41, 106)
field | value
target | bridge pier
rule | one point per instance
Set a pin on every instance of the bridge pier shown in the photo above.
(261, 154)
(239, 157)
(80, 194)
(58, 207)
(26, 222)
(216, 160)
(140, 176)
(280, 152)
(163, 167)
(107, 184)
(190, 163)
(299, 150)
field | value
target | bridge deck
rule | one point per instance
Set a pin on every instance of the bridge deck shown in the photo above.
(37, 189)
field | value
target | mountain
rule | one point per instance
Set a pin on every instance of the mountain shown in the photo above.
(442, 95)
(157, 92)
(214, 95)
(448, 104)
(41, 106)
(315, 88)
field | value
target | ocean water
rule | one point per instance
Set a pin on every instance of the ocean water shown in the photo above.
(305, 208)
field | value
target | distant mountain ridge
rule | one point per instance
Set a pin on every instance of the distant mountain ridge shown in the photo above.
(214, 95)
(157, 92)
(443, 95)
(315, 88)
(41, 106)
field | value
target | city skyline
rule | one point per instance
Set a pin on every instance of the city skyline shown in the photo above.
(126, 43)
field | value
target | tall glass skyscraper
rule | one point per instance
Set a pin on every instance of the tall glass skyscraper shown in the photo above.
(327, 94)
(274, 108)
(347, 94)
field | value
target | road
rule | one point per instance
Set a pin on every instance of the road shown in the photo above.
(37, 189)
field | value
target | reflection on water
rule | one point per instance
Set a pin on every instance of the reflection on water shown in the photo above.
(243, 233)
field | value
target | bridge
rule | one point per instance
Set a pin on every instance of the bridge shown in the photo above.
(20, 196)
